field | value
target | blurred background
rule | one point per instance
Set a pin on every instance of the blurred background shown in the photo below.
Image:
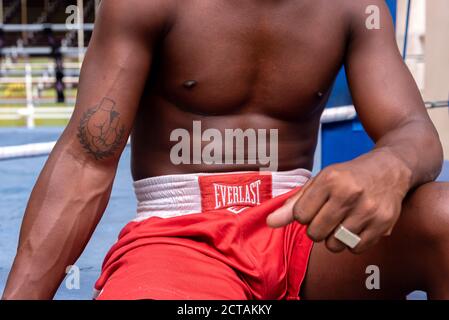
(427, 54)
(42, 46)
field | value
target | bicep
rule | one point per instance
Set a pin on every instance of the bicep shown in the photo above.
(383, 89)
(112, 80)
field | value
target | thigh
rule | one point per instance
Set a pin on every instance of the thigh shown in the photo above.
(172, 272)
(348, 276)
(412, 258)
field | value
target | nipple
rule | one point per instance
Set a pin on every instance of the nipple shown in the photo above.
(190, 84)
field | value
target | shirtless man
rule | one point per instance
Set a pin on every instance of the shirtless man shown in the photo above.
(156, 66)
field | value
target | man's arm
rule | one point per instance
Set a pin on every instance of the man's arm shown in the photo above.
(388, 101)
(365, 195)
(73, 189)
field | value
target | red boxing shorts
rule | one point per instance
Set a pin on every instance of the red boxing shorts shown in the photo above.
(205, 237)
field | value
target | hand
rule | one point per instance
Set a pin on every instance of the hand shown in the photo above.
(364, 195)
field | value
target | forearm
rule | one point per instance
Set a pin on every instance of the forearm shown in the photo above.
(413, 151)
(67, 202)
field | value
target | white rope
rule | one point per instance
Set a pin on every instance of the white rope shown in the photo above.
(21, 51)
(26, 150)
(40, 27)
(331, 115)
(338, 114)
(21, 80)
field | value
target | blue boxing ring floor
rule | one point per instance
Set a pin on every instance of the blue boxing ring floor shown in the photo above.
(17, 178)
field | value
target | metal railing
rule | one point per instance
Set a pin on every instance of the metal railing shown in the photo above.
(30, 112)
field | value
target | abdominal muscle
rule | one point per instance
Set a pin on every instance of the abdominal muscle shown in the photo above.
(183, 142)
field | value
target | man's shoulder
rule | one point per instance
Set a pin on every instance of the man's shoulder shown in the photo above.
(358, 11)
(361, 16)
(139, 13)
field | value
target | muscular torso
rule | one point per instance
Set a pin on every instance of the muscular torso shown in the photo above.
(240, 64)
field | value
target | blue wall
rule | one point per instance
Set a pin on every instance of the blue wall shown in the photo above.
(346, 140)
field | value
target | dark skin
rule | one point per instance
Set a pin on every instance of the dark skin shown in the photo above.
(155, 66)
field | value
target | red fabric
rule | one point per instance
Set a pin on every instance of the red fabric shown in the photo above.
(216, 254)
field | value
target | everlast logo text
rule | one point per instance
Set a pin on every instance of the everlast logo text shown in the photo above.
(244, 195)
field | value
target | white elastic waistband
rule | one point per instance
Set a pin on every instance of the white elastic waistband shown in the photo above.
(176, 195)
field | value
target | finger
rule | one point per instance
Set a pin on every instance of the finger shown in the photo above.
(373, 233)
(354, 223)
(328, 218)
(370, 237)
(334, 245)
(314, 197)
(284, 215)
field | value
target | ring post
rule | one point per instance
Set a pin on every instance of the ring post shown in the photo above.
(1, 12)
(80, 31)
(29, 96)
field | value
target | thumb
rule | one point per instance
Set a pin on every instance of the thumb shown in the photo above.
(284, 215)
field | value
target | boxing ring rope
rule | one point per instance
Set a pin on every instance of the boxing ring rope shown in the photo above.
(42, 149)
(31, 113)
(27, 51)
(332, 115)
(58, 27)
(41, 27)
(26, 150)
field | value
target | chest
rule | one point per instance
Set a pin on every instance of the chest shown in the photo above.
(273, 57)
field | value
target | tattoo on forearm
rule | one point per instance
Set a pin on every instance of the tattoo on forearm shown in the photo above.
(100, 131)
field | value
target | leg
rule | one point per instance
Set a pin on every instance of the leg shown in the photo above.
(415, 257)
(164, 271)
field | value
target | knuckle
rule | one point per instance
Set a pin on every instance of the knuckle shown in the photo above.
(300, 219)
(331, 175)
(347, 191)
(383, 220)
(299, 215)
(356, 191)
(351, 194)
(312, 234)
(369, 206)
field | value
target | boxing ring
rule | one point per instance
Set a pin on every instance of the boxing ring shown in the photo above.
(23, 153)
